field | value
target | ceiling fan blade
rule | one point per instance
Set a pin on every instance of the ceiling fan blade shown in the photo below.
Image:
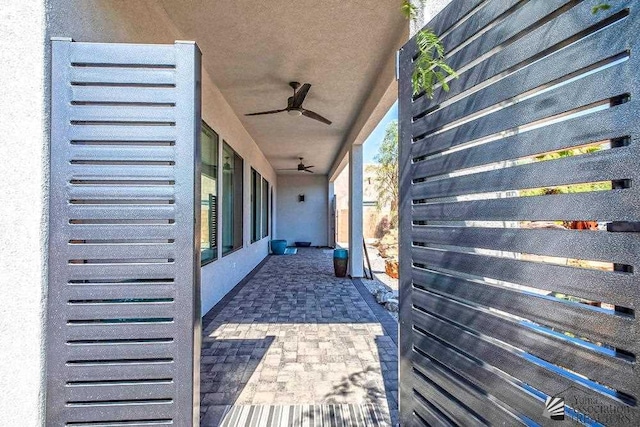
(265, 112)
(294, 169)
(300, 95)
(315, 116)
(307, 167)
(307, 170)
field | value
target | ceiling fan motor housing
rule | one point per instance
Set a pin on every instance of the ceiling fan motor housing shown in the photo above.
(294, 104)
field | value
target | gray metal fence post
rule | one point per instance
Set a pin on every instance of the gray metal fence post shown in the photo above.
(124, 307)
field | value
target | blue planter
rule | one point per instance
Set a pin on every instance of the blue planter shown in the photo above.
(341, 254)
(340, 262)
(278, 247)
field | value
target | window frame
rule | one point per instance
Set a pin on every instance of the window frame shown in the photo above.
(266, 208)
(205, 128)
(237, 232)
(256, 206)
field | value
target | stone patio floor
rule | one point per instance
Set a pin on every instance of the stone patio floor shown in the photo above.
(294, 334)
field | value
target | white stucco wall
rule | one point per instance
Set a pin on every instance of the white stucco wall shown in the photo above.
(302, 221)
(23, 181)
(145, 21)
(426, 12)
(220, 276)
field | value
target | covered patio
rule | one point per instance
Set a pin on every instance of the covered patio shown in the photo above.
(294, 345)
(168, 127)
(143, 191)
(346, 52)
(252, 53)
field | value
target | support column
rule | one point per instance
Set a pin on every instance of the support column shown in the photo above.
(331, 215)
(356, 252)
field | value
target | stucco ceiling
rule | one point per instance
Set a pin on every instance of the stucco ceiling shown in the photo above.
(253, 49)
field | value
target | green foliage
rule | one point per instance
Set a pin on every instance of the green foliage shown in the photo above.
(430, 67)
(567, 153)
(600, 7)
(564, 189)
(386, 172)
(408, 9)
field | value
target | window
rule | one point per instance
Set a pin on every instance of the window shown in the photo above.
(232, 177)
(259, 206)
(209, 194)
(265, 208)
(256, 206)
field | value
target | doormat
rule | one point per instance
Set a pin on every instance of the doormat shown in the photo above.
(367, 415)
(290, 251)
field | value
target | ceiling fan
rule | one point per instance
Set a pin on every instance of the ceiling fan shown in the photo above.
(294, 104)
(301, 167)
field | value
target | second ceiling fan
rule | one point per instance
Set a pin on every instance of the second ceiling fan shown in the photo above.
(294, 104)
(301, 167)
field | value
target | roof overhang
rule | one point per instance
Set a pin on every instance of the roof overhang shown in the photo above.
(346, 50)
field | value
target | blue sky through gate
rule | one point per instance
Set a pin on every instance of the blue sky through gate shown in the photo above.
(373, 141)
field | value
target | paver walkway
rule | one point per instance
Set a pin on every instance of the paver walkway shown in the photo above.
(296, 335)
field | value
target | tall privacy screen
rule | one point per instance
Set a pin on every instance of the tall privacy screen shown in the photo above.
(520, 217)
(123, 309)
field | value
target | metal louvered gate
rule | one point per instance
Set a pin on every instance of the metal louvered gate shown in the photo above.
(509, 306)
(124, 269)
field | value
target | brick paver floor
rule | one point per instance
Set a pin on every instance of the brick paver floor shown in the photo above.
(295, 334)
